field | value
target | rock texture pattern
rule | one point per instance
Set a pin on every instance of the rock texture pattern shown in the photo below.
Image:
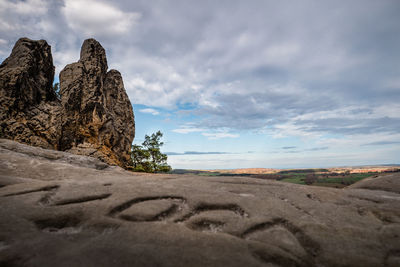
(29, 108)
(67, 210)
(93, 116)
(98, 118)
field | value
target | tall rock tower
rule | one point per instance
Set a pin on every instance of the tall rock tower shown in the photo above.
(29, 108)
(98, 118)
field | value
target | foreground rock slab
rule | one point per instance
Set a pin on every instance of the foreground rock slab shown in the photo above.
(60, 209)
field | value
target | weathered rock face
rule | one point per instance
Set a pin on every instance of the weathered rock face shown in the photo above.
(68, 210)
(93, 116)
(98, 118)
(27, 75)
(29, 106)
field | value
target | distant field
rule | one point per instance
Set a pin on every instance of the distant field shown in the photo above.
(331, 177)
(339, 181)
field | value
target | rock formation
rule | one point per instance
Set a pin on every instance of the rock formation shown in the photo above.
(59, 209)
(98, 118)
(93, 116)
(29, 107)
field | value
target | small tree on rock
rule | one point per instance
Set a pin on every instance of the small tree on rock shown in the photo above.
(148, 157)
(140, 159)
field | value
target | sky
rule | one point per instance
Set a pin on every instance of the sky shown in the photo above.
(240, 84)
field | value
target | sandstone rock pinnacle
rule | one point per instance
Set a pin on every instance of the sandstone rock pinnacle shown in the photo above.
(93, 116)
(98, 118)
(29, 106)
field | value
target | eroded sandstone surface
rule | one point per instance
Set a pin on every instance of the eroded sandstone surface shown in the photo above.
(60, 209)
(98, 118)
(29, 108)
(92, 116)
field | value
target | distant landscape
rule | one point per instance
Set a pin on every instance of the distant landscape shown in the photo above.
(338, 177)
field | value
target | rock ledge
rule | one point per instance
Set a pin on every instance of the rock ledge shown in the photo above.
(63, 212)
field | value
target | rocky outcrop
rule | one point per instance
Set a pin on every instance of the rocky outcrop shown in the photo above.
(29, 108)
(98, 118)
(67, 210)
(93, 115)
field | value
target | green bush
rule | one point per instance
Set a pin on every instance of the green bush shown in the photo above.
(148, 157)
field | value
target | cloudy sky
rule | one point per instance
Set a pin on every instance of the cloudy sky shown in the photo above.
(232, 84)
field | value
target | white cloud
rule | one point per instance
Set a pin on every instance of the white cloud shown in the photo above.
(186, 130)
(357, 140)
(11, 11)
(96, 18)
(393, 83)
(157, 84)
(149, 111)
(150, 93)
(37, 7)
(290, 128)
(7, 26)
(281, 54)
(64, 57)
(391, 110)
(220, 135)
